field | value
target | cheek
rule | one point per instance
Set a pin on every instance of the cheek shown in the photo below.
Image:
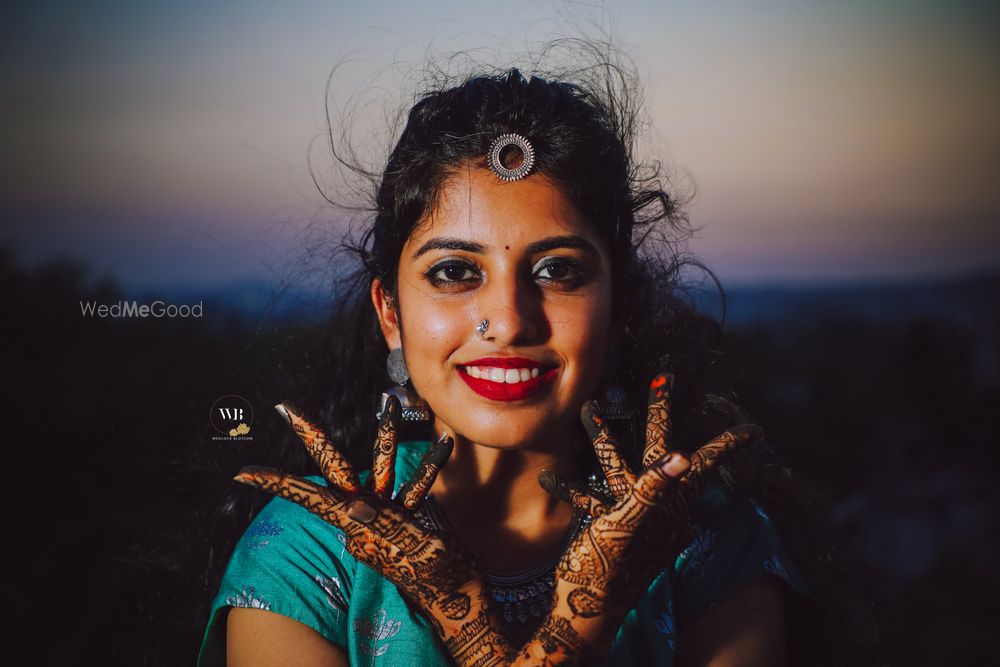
(583, 332)
(431, 332)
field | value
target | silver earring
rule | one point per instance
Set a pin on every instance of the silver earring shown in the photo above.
(613, 403)
(482, 327)
(414, 408)
(395, 364)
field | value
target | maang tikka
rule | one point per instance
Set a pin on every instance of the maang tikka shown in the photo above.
(415, 409)
(510, 157)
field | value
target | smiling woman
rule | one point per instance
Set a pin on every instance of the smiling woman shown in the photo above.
(520, 256)
(542, 526)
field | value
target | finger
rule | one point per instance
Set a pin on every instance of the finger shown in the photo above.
(325, 502)
(555, 485)
(658, 419)
(384, 455)
(649, 490)
(331, 462)
(709, 455)
(413, 492)
(620, 477)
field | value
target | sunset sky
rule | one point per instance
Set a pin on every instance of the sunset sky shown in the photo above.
(168, 144)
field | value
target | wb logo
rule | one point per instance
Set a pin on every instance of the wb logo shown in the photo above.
(231, 416)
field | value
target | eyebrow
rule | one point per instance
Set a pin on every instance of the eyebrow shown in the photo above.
(543, 245)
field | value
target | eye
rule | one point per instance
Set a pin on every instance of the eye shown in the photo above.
(452, 272)
(561, 270)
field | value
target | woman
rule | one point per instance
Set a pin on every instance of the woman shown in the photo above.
(509, 287)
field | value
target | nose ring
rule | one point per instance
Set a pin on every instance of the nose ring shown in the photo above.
(482, 327)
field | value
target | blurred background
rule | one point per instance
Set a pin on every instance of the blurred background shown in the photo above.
(844, 160)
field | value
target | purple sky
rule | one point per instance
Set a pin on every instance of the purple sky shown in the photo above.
(168, 145)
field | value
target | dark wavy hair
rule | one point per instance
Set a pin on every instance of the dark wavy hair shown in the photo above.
(584, 123)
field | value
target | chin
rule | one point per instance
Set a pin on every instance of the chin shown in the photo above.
(503, 430)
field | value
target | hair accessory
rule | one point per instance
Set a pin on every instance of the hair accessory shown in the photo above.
(482, 327)
(503, 157)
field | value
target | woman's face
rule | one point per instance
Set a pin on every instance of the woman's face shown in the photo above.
(519, 255)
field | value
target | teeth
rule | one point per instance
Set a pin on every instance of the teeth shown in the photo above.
(503, 375)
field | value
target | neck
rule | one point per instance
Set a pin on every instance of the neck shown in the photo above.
(493, 502)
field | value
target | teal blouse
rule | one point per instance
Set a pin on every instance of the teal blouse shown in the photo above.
(291, 562)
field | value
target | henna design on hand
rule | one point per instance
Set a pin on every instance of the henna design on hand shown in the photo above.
(331, 462)
(620, 477)
(431, 569)
(584, 602)
(658, 418)
(573, 493)
(631, 539)
(384, 453)
(414, 491)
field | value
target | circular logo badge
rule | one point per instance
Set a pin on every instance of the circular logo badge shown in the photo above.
(232, 416)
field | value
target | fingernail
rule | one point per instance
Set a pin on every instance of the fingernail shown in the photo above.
(591, 417)
(361, 512)
(661, 385)
(675, 465)
(283, 411)
(442, 449)
(243, 478)
(549, 481)
(390, 406)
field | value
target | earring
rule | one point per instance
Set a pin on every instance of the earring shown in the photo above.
(613, 402)
(415, 409)
(395, 364)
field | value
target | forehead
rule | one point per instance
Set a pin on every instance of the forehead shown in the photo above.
(477, 205)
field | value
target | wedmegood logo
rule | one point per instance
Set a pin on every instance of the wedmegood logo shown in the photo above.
(157, 309)
(231, 416)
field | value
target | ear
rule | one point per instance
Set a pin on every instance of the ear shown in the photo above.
(385, 308)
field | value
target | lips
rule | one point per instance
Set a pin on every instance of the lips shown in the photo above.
(506, 378)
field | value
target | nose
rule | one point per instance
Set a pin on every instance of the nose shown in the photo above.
(514, 310)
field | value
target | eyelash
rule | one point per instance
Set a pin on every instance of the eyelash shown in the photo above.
(578, 272)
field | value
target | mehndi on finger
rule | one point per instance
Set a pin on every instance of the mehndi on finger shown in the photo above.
(334, 465)
(620, 477)
(329, 504)
(653, 483)
(384, 454)
(555, 485)
(658, 418)
(709, 455)
(413, 492)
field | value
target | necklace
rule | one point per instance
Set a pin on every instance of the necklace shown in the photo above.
(520, 599)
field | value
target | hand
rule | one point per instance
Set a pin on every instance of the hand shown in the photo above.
(633, 536)
(430, 568)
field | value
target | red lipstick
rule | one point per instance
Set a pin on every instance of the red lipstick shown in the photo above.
(502, 391)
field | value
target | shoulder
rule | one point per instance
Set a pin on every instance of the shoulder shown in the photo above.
(735, 543)
(290, 562)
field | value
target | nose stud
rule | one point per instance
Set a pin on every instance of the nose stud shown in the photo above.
(482, 327)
